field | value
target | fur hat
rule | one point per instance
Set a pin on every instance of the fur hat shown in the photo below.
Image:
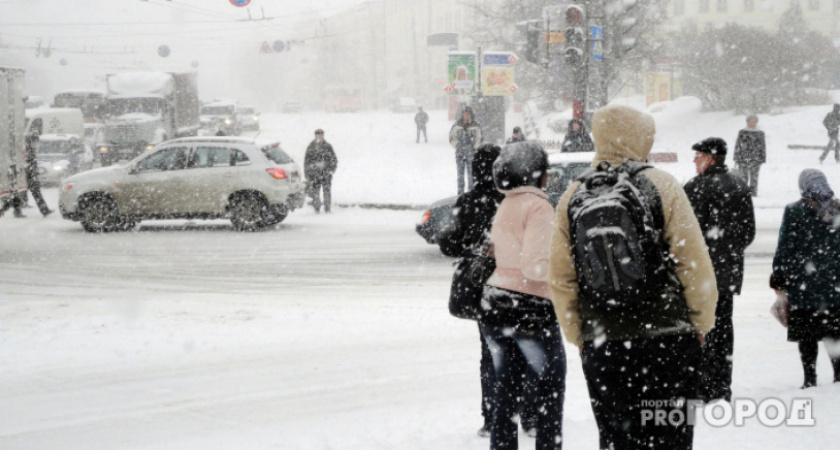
(520, 164)
(622, 133)
(712, 146)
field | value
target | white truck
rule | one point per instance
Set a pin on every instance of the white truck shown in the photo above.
(145, 109)
(12, 141)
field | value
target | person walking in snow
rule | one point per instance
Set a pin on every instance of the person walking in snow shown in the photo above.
(519, 320)
(517, 136)
(638, 346)
(421, 119)
(465, 136)
(469, 223)
(832, 125)
(724, 209)
(319, 165)
(577, 138)
(32, 181)
(806, 267)
(750, 152)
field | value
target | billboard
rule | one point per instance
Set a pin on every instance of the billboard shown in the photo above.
(497, 75)
(462, 73)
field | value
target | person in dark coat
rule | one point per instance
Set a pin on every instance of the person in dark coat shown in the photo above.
(807, 268)
(465, 136)
(517, 136)
(750, 152)
(832, 125)
(32, 181)
(470, 222)
(723, 206)
(319, 165)
(421, 119)
(577, 138)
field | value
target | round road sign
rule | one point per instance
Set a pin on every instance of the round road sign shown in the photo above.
(240, 3)
(279, 46)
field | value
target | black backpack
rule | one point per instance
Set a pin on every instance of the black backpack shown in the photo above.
(616, 227)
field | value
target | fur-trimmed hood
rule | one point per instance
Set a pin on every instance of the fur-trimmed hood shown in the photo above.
(622, 133)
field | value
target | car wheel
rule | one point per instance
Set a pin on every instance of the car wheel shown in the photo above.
(276, 215)
(99, 214)
(246, 212)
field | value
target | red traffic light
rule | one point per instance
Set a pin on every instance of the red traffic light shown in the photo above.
(574, 15)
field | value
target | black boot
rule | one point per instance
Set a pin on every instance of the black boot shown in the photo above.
(808, 351)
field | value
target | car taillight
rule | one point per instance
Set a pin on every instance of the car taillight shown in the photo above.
(68, 187)
(427, 216)
(280, 174)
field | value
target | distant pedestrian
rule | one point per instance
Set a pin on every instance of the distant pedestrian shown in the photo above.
(806, 267)
(832, 125)
(724, 209)
(517, 136)
(421, 119)
(632, 285)
(465, 136)
(750, 152)
(32, 181)
(577, 138)
(519, 321)
(319, 165)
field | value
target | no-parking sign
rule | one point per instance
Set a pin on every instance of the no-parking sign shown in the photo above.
(240, 3)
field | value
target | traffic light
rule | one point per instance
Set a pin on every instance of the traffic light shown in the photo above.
(532, 29)
(575, 36)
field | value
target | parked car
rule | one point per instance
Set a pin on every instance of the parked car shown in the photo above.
(249, 118)
(60, 156)
(563, 169)
(253, 183)
(292, 107)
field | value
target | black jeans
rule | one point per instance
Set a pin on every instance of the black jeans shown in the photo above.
(808, 352)
(423, 129)
(624, 377)
(525, 392)
(463, 162)
(833, 144)
(716, 370)
(35, 188)
(546, 359)
(750, 172)
(315, 186)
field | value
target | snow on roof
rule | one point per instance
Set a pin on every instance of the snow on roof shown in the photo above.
(140, 83)
(81, 91)
(42, 109)
(58, 137)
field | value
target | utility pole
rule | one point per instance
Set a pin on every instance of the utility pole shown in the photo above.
(576, 55)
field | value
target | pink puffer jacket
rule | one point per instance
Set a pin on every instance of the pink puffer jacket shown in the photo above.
(521, 235)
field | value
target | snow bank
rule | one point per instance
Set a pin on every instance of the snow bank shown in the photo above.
(140, 83)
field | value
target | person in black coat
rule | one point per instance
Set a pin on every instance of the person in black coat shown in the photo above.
(577, 138)
(517, 136)
(319, 165)
(832, 125)
(32, 182)
(806, 267)
(723, 206)
(469, 223)
(750, 152)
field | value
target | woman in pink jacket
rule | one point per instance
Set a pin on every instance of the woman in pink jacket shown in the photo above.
(519, 317)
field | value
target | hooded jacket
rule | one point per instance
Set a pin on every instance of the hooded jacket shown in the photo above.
(577, 141)
(621, 133)
(465, 136)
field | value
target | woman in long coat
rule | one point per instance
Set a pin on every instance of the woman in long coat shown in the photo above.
(807, 268)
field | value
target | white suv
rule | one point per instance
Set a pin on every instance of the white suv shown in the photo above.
(254, 183)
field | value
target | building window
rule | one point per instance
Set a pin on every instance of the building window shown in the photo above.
(721, 5)
(704, 6)
(814, 5)
(749, 5)
(679, 7)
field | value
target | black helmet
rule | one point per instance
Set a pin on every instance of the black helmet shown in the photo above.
(482, 163)
(467, 109)
(520, 164)
(319, 131)
(517, 130)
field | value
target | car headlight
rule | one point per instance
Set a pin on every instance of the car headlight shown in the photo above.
(227, 121)
(149, 148)
(103, 149)
(256, 118)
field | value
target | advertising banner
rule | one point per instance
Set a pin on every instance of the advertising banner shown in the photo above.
(462, 73)
(497, 74)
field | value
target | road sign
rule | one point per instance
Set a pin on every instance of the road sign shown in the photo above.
(279, 46)
(555, 37)
(265, 48)
(240, 3)
(596, 35)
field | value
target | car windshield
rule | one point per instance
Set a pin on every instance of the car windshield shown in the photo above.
(217, 110)
(123, 106)
(246, 110)
(276, 154)
(51, 147)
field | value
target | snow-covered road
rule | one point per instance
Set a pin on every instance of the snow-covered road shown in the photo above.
(326, 332)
